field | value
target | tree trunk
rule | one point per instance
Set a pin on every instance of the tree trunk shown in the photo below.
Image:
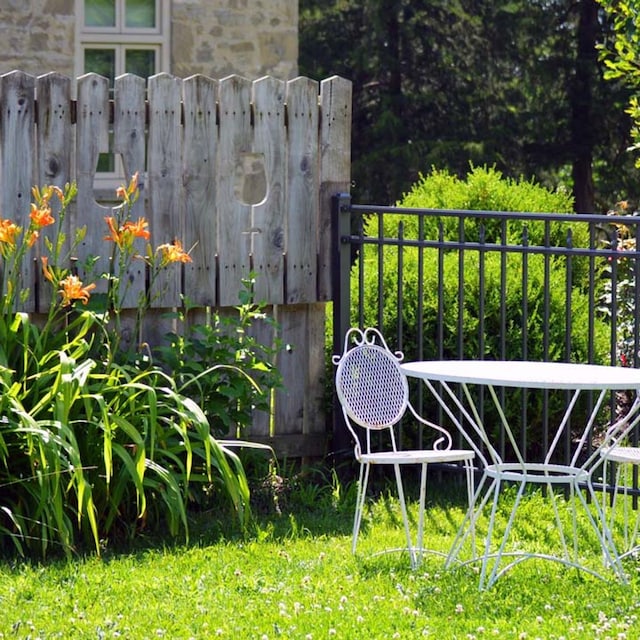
(582, 125)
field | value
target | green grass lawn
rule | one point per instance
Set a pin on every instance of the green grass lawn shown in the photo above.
(296, 578)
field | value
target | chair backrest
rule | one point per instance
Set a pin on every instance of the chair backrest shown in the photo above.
(371, 387)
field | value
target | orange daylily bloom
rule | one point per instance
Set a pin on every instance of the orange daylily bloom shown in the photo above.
(9, 231)
(72, 289)
(128, 193)
(42, 196)
(173, 253)
(126, 234)
(46, 271)
(114, 235)
(41, 215)
(33, 237)
(138, 229)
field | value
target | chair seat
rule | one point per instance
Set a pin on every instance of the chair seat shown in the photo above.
(416, 456)
(537, 473)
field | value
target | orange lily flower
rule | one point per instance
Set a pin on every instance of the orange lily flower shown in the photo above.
(114, 234)
(173, 253)
(48, 274)
(72, 289)
(9, 231)
(127, 194)
(41, 215)
(125, 235)
(137, 229)
(32, 238)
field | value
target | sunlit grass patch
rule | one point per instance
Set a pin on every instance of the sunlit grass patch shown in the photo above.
(296, 578)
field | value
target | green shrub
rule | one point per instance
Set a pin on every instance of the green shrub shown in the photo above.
(473, 316)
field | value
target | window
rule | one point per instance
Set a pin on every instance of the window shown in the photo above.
(121, 36)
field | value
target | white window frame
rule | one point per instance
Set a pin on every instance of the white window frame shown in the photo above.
(119, 38)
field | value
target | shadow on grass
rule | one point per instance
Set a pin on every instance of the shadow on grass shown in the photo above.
(309, 502)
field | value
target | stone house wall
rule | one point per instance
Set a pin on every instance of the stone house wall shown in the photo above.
(252, 38)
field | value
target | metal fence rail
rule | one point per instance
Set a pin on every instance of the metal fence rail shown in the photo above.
(453, 284)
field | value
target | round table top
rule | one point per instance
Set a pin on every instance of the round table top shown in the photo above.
(531, 375)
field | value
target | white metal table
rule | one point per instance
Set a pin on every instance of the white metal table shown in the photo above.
(451, 383)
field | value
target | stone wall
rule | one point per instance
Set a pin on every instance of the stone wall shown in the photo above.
(38, 36)
(252, 38)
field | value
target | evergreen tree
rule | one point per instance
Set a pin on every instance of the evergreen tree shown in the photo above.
(514, 84)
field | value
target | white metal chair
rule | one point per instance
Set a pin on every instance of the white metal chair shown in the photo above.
(374, 394)
(624, 534)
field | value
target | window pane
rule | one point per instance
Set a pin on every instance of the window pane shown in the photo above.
(102, 61)
(106, 163)
(140, 14)
(141, 62)
(100, 13)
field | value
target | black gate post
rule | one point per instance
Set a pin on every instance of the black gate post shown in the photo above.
(341, 295)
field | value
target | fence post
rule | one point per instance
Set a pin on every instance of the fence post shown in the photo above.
(341, 288)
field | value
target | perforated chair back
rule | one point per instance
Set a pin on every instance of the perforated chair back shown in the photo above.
(373, 391)
(371, 387)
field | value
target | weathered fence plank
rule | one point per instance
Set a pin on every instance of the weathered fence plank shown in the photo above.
(129, 143)
(267, 216)
(335, 166)
(165, 178)
(54, 160)
(200, 95)
(241, 172)
(17, 134)
(92, 138)
(234, 197)
(303, 197)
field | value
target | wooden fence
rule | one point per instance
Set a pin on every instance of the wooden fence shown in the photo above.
(243, 171)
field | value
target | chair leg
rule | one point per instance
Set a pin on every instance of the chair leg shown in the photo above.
(423, 492)
(478, 498)
(471, 502)
(493, 576)
(405, 516)
(360, 500)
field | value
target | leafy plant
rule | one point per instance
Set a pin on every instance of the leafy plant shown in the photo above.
(618, 300)
(221, 363)
(97, 441)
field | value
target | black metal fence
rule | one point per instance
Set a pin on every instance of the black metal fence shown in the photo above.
(451, 284)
